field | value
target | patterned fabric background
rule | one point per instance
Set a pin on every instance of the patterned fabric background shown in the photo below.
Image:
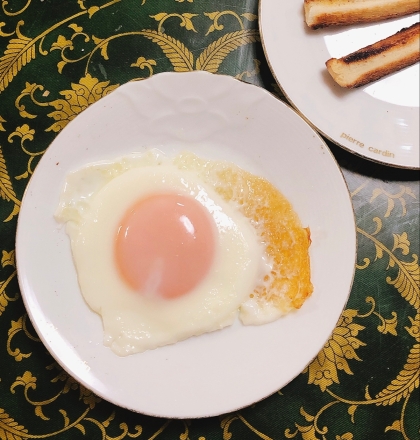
(59, 56)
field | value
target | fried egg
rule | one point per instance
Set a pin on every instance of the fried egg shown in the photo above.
(170, 248)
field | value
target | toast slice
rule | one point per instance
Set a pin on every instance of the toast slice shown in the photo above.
(322, 13)
(377, 60)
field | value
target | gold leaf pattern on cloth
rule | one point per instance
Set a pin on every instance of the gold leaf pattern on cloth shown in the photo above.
(6, 188)
(142, 63)
(81, 95)
(342, 346)
(10, 429)
(50, 70)
(211, 58)
(22, 50)
(311, 431)
(61, 43)
(4, 297)
(406, 381)
(19, 52)
(8, 258)
(25, 133)
(186, 20)
(16, 327)
(1, 124)
(402, 242)
(13, 13)
(178, 54)
(407, 281)
(27, 380)
(404, 190)
(388, 325)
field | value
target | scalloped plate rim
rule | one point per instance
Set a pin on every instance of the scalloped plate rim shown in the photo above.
(74, 338)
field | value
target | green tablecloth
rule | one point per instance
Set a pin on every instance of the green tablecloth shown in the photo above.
(59, 56)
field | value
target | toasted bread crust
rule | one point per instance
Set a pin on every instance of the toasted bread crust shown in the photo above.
(323, 13)
(373, 62)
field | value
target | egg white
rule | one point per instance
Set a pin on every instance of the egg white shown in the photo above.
(93, 203)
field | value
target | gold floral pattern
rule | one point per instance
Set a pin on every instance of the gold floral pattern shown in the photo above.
(81, 95)
(7, 192)
(53, 68)
(342, 346)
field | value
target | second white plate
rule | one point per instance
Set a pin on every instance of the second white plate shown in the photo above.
(379, 121)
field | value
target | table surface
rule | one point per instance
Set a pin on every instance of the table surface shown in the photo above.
(64, 55)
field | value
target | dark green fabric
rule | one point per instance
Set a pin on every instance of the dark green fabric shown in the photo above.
(363, 385)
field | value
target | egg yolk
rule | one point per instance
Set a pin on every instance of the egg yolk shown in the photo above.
(165, 245)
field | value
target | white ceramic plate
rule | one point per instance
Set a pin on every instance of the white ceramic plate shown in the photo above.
(216, 117)
(379, 121)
